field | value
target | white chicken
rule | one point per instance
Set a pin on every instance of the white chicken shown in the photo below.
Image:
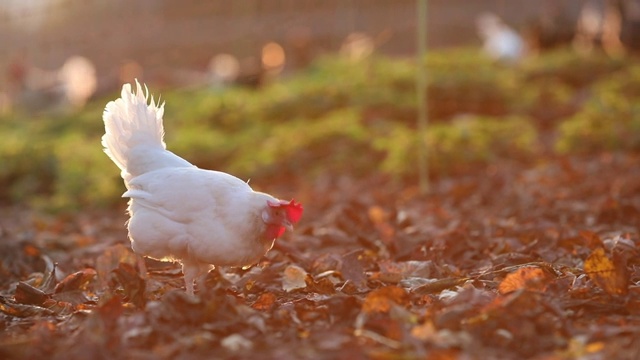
(500, 41)
(178, 211)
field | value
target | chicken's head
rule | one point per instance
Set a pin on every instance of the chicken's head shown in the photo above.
(280, 215)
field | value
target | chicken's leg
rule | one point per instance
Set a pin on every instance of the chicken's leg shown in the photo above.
(192, 269)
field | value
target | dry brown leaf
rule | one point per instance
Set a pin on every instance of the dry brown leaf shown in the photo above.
(352, 269)
(27, 294)
(111, 259)
(437, 286)
(612, 277)
(530, 278)
(380, 219)
(592, 239)
(76, 281)
(265, 301)
(424, 331)
(132, 282)
(381, 300)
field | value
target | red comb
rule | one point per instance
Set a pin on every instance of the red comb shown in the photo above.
(294, 210)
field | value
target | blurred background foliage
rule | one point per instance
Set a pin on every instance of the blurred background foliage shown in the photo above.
(308, 90)
(344, 116)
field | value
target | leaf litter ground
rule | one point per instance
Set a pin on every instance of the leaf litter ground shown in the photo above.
(511, 261)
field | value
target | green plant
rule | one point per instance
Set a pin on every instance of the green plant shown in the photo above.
(464, 142)
(610, 120)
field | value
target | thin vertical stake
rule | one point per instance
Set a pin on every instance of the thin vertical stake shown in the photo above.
(421, 90)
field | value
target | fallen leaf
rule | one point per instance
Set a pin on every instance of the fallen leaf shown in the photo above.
(591, 238)
(293, 278)
(110, 310)
(424, 331)
(439, 285)
(381, 300)
(236, 342)
(612, 277)
(76, 281)
(132, 282)
(323, 285)
(19, 310)
(265, 301)
(111, 260)
(50, 281)
(380, 219)
(27, 294)
(352, 269)
(529, 278)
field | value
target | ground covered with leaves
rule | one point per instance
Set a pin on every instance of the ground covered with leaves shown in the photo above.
(514, 260)
(525, 246)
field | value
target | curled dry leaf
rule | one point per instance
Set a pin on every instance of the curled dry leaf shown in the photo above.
(611, 276)
(27, 294)
(12, 308)
(76, 281)
(529, 278)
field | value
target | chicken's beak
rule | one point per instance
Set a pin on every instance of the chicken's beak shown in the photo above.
(287, 225)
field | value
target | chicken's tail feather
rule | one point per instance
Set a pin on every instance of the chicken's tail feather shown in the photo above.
(132, 122)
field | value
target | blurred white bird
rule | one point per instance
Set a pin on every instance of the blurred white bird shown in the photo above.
(179, 211)
(78, 80)
(500, 41)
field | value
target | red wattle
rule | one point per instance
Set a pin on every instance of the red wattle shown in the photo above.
(273, 232)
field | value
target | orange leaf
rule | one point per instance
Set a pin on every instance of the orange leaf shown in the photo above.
(31, 250)
(530, 278)
(380, 219)
(381, 300)
(377, 214)
(611, 276)
(265, 301)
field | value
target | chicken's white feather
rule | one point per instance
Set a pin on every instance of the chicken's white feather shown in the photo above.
(134, 134)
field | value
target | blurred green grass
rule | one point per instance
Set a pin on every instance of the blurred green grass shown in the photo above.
(343, 117)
